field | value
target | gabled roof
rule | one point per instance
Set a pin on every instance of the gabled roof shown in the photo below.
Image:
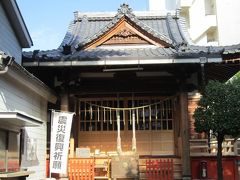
(86, 27)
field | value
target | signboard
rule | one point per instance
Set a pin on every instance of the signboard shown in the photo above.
(83, 152)
(60, 135)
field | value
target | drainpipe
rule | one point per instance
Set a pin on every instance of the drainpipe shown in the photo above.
(3, 65)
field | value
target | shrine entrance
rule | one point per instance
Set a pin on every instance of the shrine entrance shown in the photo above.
(153, 118)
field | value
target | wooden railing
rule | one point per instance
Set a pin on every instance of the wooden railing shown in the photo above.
(156, 168)
(149, 168)
(199, 147)
(159, 169)
(80, 169)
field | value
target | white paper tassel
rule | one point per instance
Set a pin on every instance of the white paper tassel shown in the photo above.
(162, 109)
(104, 115)
(137, 116)
(130, 113)
(156, 116)
(143, 113)
(79, 108)
(123, 116)
(110, 116)
(150, 114)
(85, 109)
(117, 113)
(98, 113)
(91, 112)
(169, 106)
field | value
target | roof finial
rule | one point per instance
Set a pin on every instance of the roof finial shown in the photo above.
(124, 8)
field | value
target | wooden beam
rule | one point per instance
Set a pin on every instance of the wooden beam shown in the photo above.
(186, 167)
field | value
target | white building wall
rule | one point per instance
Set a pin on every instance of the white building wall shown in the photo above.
(211, 22)
(228, 19)
(197, 26)
(15, 97)
(8, 40)
(163, 5)
(222, 27)
(38, 166)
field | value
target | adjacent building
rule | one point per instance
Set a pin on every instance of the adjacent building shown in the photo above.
(23, 102)
(209, 22)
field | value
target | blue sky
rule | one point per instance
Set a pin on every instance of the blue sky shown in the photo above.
(47, 20)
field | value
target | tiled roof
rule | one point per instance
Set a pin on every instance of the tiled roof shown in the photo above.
(234, 49)
(86, 28)
(129, 53)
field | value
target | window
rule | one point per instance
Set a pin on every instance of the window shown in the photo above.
(9, 151)
(210, 7)
(156, 115)
(93, 117)
(150, 114)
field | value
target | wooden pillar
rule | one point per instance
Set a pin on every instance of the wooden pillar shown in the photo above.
(65, 107)
(184, 124)
(64, 102)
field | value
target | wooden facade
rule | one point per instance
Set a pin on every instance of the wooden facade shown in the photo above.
(133, 86)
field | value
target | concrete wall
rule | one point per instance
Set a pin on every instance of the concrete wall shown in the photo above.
(163, 5)
(8, 40)
(217, 26)
(211, 22)
(228, 21)
(16, 97)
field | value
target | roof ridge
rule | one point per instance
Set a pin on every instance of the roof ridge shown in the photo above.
(181, 23)
(124, 10)
(168, 20)
(99, 15)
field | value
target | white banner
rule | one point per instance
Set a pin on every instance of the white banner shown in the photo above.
(60, 135)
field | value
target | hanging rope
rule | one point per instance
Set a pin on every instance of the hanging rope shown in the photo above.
(132, 108)
(163, 105)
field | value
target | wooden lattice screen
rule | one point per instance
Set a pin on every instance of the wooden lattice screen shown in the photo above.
(80, 169)
(159, 169)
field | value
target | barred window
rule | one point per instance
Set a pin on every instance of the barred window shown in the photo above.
(149, 114)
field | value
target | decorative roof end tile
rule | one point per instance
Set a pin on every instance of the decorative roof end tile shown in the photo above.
(124, 9)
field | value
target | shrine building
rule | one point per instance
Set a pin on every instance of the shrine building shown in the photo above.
(134, 79)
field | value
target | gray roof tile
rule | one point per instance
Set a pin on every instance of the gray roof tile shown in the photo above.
(84, 29)
(186, 51)
(96, 26)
